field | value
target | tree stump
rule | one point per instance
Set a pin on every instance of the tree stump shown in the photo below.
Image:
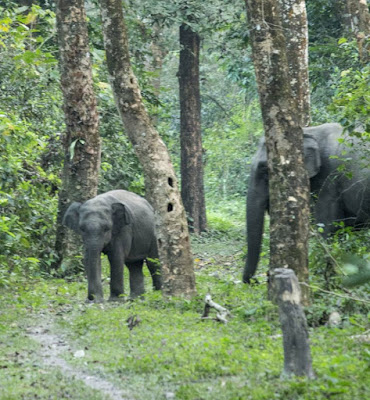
(287, 295)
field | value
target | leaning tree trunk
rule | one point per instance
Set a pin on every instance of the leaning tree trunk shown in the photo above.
(294, 22)
(81, 141)
(288, 180)
(160, 179)
(357, 23)
(192, 187)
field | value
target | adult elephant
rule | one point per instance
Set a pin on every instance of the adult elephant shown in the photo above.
(120, 224)
(337, 194)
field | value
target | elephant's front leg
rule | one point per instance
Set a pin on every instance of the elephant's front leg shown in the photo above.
(328, 210)
(116, 260)
(136, 278)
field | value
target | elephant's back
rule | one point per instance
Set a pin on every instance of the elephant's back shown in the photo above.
(324, 129)
(140, 209)
(132, 200)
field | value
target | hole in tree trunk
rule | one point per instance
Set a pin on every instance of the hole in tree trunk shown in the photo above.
(170, 207)
(170, 182)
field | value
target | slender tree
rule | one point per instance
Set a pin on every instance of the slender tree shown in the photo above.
(356, 19)
(192, 187)
(294, 23)
(288, 180)
(160, 180)
(81, 140)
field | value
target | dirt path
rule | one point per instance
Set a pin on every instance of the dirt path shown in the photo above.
(53, 346)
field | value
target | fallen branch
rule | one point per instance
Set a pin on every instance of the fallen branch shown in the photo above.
(350, 297)
(222, 312)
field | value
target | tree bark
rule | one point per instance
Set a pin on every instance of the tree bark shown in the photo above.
(297, 352)
(192, 187)
(288, 179)
(357, 23)
(81, 140)
(160, 180)
(294, 22)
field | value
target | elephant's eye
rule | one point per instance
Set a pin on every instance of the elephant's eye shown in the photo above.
(105, 228)
(83, 228)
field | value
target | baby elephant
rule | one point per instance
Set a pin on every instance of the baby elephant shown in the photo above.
(121, 225)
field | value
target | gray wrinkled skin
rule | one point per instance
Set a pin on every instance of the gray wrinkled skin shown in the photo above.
(121, 225)
(335, 196)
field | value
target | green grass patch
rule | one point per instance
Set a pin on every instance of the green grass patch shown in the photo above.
(23, 375)
(172, 352)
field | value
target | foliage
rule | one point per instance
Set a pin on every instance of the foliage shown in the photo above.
(357, 270)
(324, 20)
(120, 168)
(29, 102)
(330, 271)
(351, 104)
(328, 56)
(228, 150)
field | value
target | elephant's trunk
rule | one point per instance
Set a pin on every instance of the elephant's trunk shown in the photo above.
(92, 263)
(257, 204)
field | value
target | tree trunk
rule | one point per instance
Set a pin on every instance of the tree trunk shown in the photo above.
(192, 187)
(288, 180)
(357, 23)
(81, 140)
(294, 22)
(160, 179)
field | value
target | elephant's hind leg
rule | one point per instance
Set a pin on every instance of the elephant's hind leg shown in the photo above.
(136, 278)
(155, 272)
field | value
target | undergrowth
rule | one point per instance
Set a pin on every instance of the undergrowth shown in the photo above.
(170, 352)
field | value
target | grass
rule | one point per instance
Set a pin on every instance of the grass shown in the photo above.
(23, 375)
(171, 353)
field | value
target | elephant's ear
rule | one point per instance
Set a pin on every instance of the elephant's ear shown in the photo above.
(312, 158)
(72, 216)
(121, 215)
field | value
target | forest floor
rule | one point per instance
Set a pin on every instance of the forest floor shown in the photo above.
(54, 346)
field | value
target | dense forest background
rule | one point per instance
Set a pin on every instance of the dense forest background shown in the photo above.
(52, 344)
(32, 118)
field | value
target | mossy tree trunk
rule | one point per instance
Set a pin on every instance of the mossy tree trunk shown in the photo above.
(294, 22)
(160, 180)
(81, 140)
(192, 187)
(288, 180)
